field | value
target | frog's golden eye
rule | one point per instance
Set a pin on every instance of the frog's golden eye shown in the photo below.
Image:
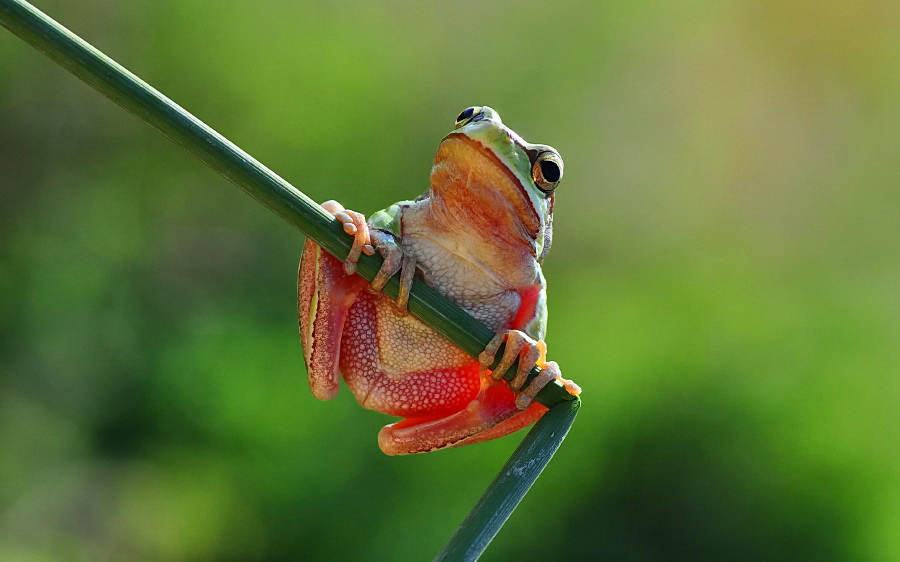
(467, 115)
(547, 170)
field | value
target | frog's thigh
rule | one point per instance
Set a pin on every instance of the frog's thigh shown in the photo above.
(492, 414)
(324, 295)
(397, 365)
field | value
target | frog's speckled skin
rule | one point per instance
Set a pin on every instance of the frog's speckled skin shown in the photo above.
(478, 236)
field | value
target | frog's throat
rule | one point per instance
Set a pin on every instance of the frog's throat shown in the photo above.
(513, 178)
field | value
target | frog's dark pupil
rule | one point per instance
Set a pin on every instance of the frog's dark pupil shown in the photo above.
(550, 171)
(466, 114)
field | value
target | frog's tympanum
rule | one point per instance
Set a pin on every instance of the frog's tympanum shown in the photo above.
(478, 236)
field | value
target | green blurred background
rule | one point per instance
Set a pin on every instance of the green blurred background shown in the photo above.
(723, 281)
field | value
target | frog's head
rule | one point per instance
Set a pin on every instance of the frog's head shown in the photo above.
(500, 185)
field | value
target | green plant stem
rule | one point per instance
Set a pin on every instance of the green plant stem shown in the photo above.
(136, 96)
(185, 130)
(511, 484)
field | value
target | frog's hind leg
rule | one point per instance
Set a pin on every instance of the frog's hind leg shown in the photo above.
(519, 419)
(324, 295)
(492, 414)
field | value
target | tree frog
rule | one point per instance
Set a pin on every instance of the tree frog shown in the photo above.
(478, 236)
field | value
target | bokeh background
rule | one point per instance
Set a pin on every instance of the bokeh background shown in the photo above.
(723, 281)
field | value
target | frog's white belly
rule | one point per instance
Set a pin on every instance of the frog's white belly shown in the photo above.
(464, 282)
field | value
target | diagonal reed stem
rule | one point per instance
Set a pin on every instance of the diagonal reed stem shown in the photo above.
(185, 130)
(497, 503)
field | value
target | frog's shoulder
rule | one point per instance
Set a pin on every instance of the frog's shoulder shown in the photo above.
(388, 219)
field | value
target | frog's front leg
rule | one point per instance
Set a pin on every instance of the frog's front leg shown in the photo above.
(377, 234)
(394, 260)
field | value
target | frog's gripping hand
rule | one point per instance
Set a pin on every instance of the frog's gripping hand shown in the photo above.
(394, 260)
(368, 239)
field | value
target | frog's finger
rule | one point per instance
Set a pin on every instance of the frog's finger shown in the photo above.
(355, 225)
(347, 222)
(549, 372)
(570, 386)
(361, 238)
(486, 358)
(407, 271)
(528, 356)
(393, 259)
(332, 206)
(515, 341)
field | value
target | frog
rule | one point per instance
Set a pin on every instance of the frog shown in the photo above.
(478, 235)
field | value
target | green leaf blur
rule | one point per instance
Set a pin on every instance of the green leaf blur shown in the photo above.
(722, 282)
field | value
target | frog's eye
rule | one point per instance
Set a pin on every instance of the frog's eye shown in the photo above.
(547, 170)
(467, 115)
